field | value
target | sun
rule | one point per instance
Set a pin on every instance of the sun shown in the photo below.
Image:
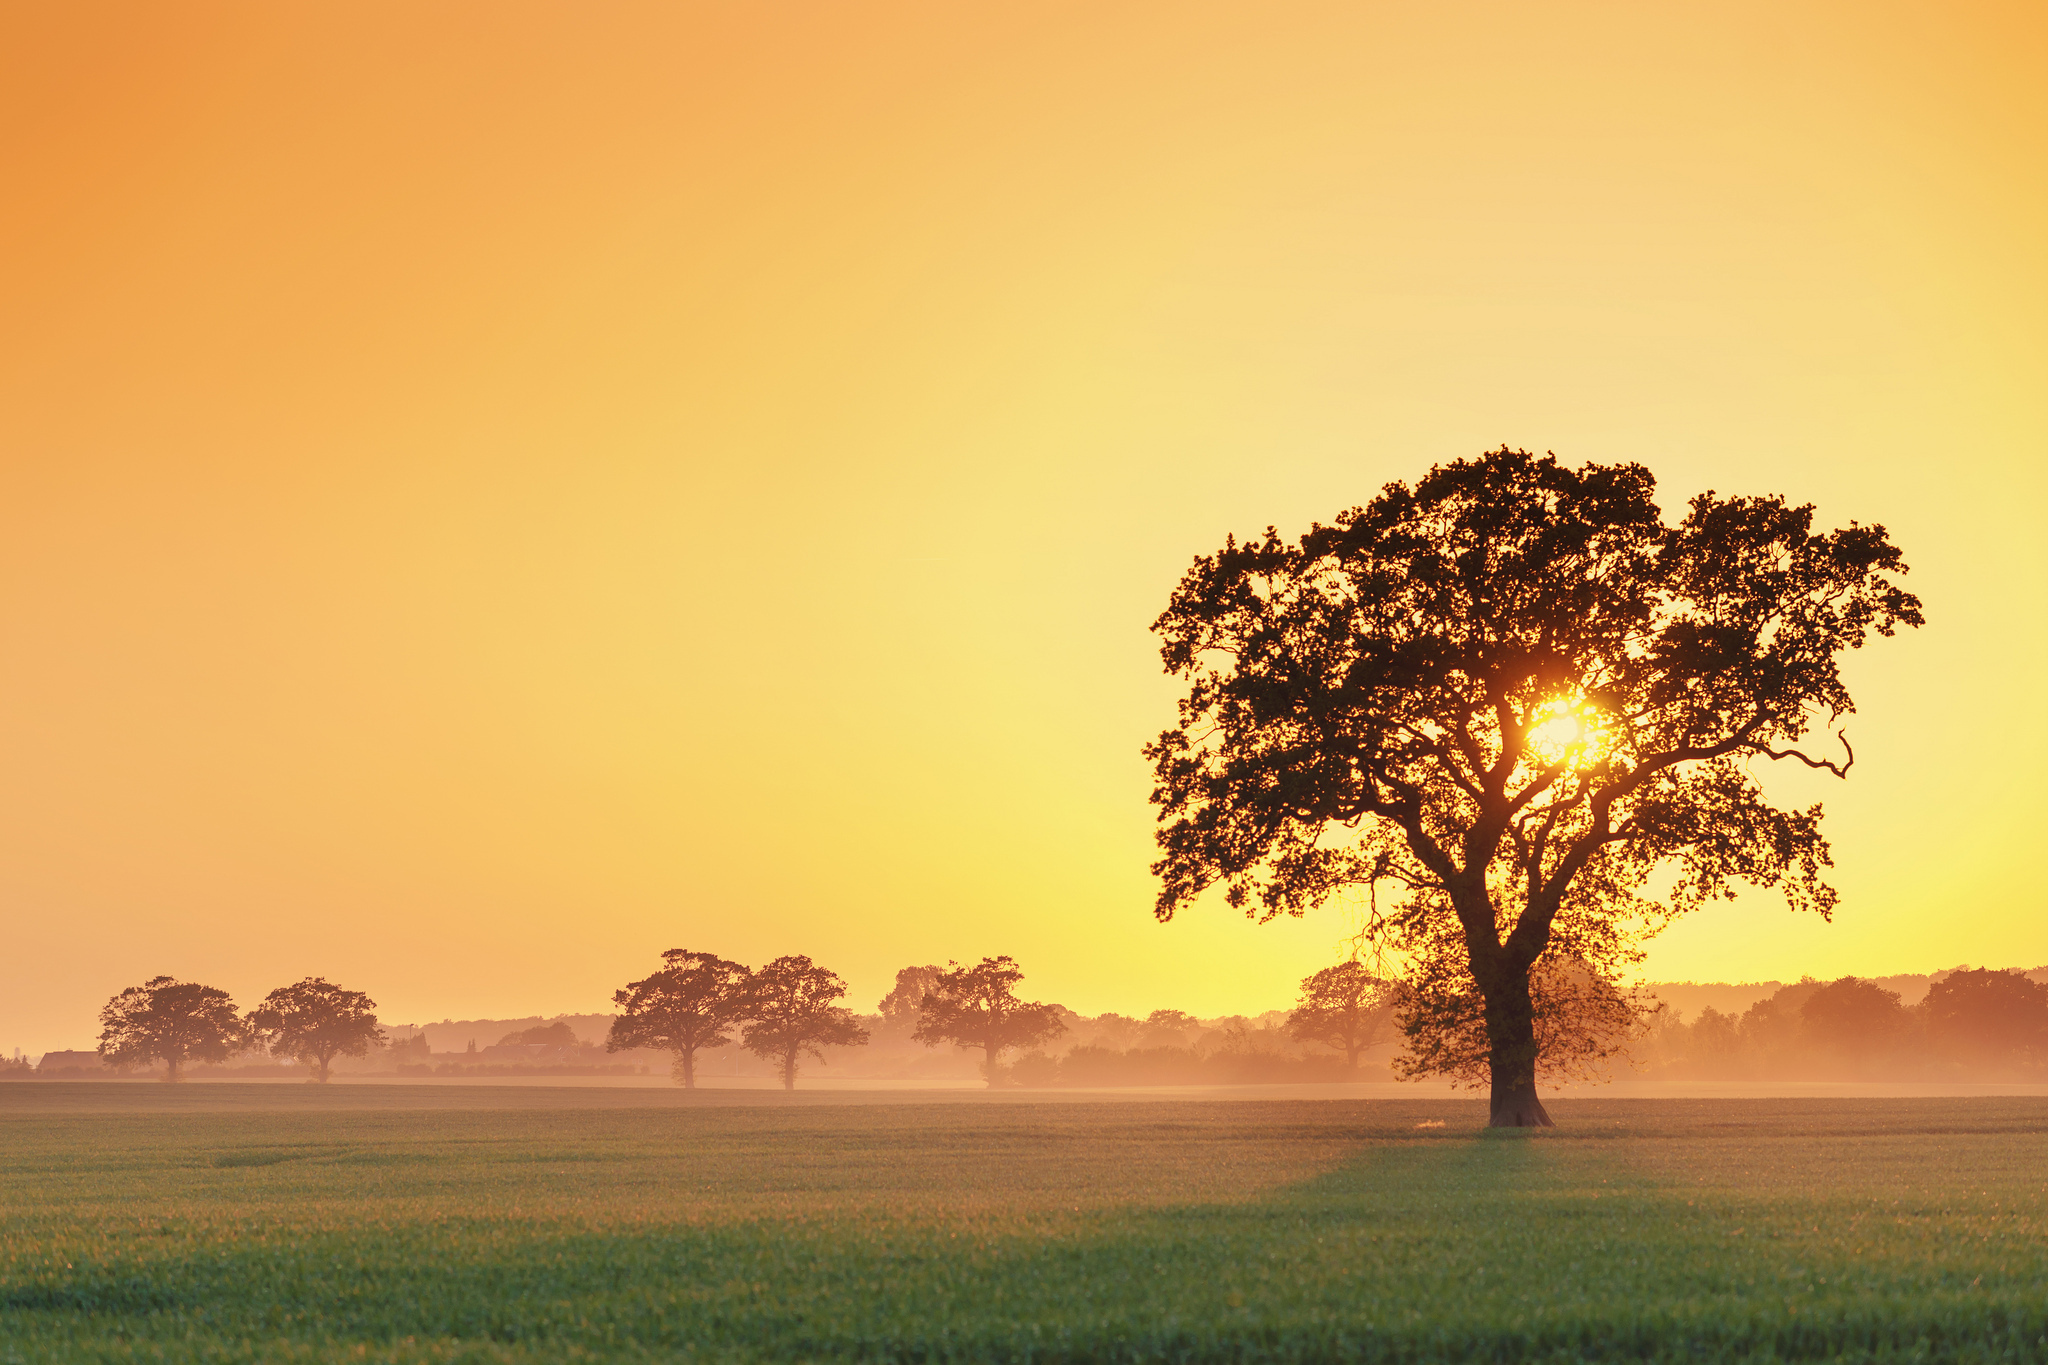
(1569, 733)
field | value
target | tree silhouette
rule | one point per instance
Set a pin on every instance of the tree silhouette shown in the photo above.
(314, 1021)
(1511, 693)
(790, 1012)
(686, 1006)
(170, 1021)
(1346, 1007)
(978, 1007)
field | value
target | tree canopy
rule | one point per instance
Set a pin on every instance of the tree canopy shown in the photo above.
(686, 1006)
(978, 1007)
(314, 1021)
(790, 1012)
(170, 1021)
(1511, 693)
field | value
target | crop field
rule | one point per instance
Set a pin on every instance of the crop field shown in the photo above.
(254, 1223)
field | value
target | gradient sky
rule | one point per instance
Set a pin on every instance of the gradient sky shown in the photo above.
(492, 491)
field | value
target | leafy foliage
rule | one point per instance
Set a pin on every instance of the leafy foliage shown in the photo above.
(978, 1007)
(314, 1021)
(790, 1013)
(686, 1006)
(170, 1021)
(1511, 692)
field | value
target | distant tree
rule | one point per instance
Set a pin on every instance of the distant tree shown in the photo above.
(790, 1012)
(686, 1006)
(1513, 694)
(1988, 1018)
(314, 1021)
(170, 1021)
(978, 1007)
(1346, 1007)
(901, 1007)
(1857, 1020)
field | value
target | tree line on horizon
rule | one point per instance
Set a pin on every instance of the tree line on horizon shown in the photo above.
(1973, 1021)
(782, 1012)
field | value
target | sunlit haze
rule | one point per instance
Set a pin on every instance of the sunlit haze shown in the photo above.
(489, 492)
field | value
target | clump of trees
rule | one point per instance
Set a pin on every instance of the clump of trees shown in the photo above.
(785, 1011)
(1513, 695)
(1974, 1024)
(177, 1023)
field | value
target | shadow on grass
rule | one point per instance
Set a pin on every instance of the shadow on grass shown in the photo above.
(1421, 1246)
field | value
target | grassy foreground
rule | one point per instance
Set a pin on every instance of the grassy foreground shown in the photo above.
(584, 1229)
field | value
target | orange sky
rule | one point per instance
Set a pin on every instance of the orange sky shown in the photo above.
(492, 491)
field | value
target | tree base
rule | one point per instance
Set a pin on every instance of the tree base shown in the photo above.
(1519, 1109)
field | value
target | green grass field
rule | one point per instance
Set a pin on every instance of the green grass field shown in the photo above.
(232, 1223)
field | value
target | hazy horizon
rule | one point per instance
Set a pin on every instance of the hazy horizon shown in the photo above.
(490, 493)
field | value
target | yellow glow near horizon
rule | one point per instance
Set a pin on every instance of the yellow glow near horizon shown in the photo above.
(492, 491)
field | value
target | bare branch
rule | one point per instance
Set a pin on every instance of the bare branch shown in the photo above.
(1825, 764)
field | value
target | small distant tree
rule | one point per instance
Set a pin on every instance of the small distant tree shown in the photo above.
(314, 1021)
(978, 1007)
(1345, 1007)
(170, 1021)
(686, 1006)
(790, 1011)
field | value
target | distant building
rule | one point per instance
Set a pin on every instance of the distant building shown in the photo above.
(73, 1061)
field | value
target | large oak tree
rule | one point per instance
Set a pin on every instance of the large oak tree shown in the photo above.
(1513, 692)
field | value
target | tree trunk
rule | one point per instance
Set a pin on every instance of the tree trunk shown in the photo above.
(322, 1063)
(171, 1070)
(990, 1067)
(789, 1071)
(686, 1060)
(1511, 1034)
